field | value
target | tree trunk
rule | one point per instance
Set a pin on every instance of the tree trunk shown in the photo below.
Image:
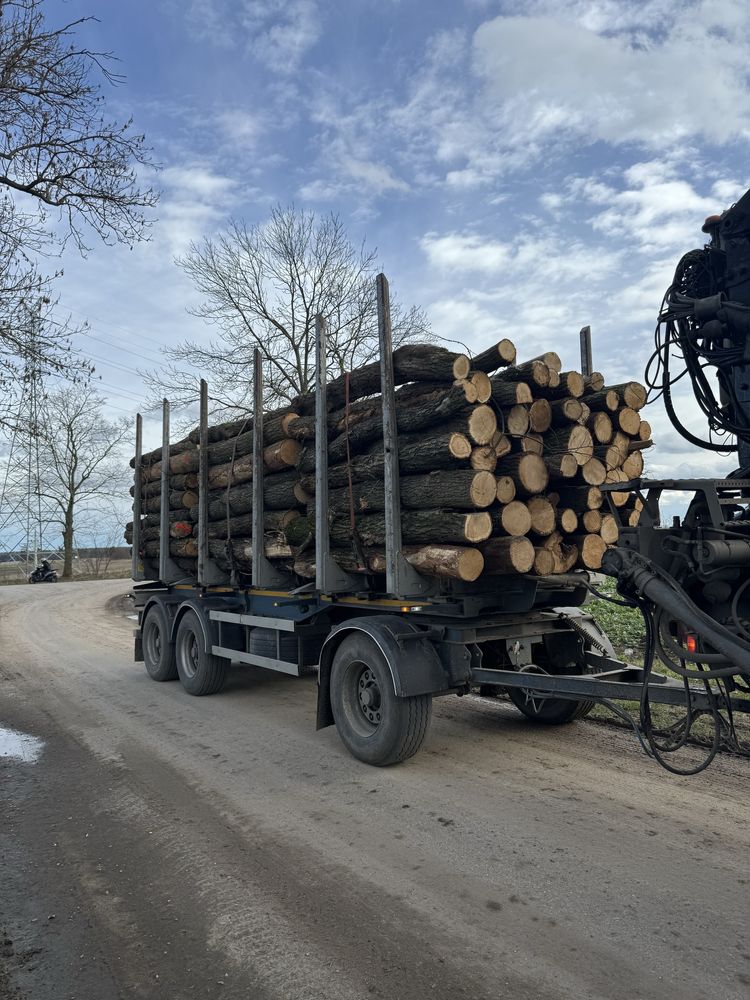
(565, 411)
(535, 373)
(633, 394)
(510, 393)
(573, 439)
(68, 535)
(527, 471)
(605, 399)
(462, 489)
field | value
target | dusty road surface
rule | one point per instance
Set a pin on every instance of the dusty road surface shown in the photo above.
(158, 845)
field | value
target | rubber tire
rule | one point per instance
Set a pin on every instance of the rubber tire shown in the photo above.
(263, 643)
(554, 711)
(163, 667)
(405, 721)
(210, 672)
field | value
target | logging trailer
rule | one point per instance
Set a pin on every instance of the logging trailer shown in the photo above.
(382, 651)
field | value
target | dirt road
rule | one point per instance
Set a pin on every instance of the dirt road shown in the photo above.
(158, 845)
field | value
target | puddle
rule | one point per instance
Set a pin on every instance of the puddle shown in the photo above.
(20, 746)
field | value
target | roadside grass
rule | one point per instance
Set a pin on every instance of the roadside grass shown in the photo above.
(626, 631)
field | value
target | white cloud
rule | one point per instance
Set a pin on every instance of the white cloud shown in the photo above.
(240, 127)
(465, 253)
(603, 78)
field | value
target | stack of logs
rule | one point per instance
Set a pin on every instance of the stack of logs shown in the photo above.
(500, 464)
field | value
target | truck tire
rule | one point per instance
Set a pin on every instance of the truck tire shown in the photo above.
(549, 711)
(200, 673)
(375, 725)
(158, 651)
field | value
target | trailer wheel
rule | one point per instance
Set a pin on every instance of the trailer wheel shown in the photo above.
(200, 672)
(158, 651)
(548, 711)
(375, 725)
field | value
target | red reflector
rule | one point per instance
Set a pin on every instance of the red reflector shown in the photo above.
(691, 643)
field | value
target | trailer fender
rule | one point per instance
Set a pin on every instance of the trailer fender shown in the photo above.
(414, 664)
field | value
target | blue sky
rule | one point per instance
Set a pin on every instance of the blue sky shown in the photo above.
(522, 168)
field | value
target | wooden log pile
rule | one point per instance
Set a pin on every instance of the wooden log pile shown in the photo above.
(501, 467)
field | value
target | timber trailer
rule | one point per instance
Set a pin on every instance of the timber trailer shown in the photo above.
(381, 656)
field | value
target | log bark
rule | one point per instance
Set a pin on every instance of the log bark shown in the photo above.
(507, 555)
(561, 466)
(528, 472)
(510, 393)
(453, 562)
(581, 498)
(535, 373)
(633, 394)
(606, 399)
(411, 363)
(565, 411)
(440, 449)
(500, 355)
(418, 527)
(460, 489)
(593, 382)
(639, 445)
(551, 359)
(611, 456)
(569, 384)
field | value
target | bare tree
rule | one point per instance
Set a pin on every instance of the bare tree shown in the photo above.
(82, 470)
(66, 169)
(263, 286)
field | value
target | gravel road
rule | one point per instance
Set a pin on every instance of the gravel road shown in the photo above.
(157, 845)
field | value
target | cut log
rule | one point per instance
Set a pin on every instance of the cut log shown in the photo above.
(544, 562)
(481, 424)
(418, 527)
(593, 382)
(592, 521)
(633, 465)
(628, 421)
(644, 430)
(501, 444)
(451, 561)
(506, 489)
(618, 497)
(565, 411)
(528, 444)
(585, 414)
(640, 445)
(542, 515)
(540, 416)
(510, 393)
(570, 384)
(515, 421)
(606, 400)
(411, 363)
(460, 489)
(561, 466)
(574, 439)
(611, 456)
(528, 472)
(482, 385)
(507, 555)
(581, 498)
(500, 355)
(551, 359)
(155, 456)
(591, 548)
(554, 379)
(282, 455)
(566, 520)
(594, 472)
(633, 394)
(513, 518)
(535, 373)
(564, 553)
(483, 458)
(609, 529)
(600, 426)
